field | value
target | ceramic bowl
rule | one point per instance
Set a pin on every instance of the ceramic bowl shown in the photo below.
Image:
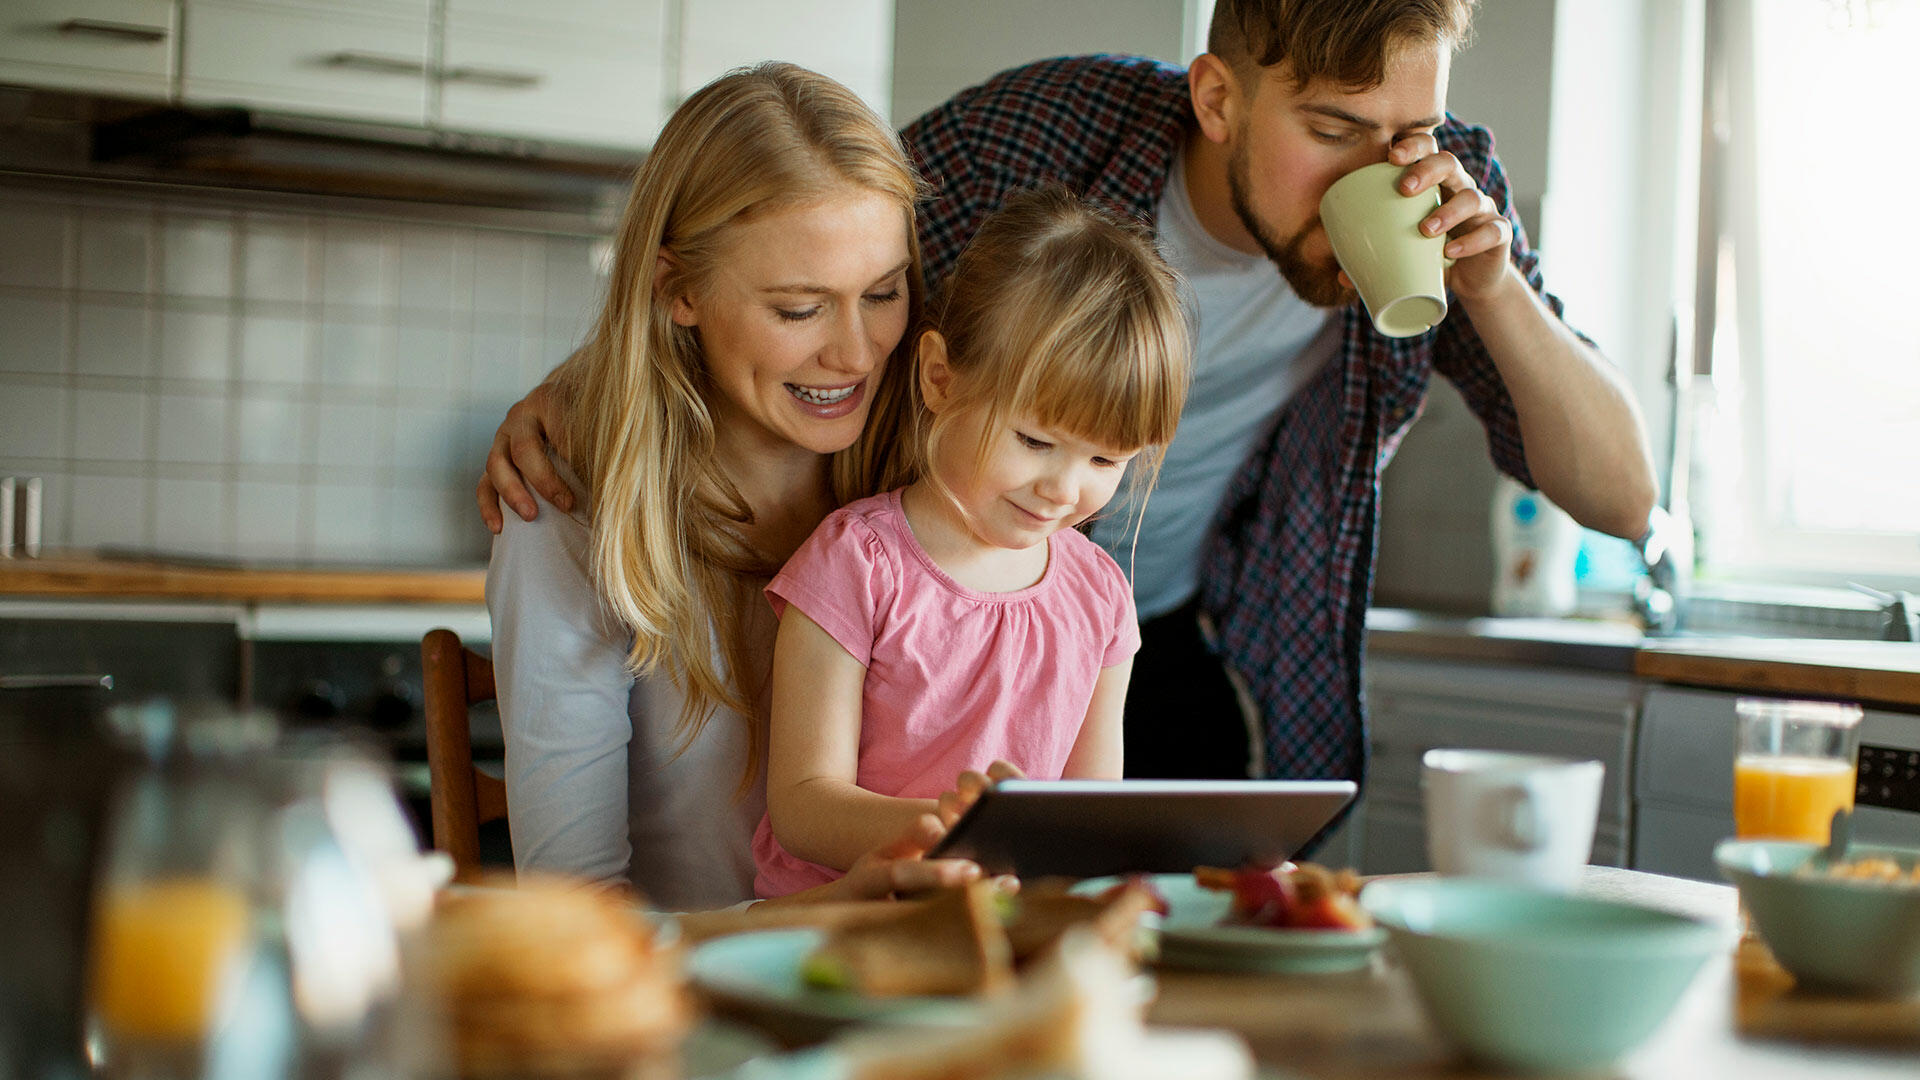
(1857, 937)
(1521, 978)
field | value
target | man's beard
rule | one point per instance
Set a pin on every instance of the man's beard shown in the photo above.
(1316, 285)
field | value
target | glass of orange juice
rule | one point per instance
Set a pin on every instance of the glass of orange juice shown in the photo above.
(1794, 768)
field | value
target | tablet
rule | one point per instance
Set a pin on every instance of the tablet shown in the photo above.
(1091, 828)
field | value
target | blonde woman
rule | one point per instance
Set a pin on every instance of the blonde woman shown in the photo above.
(765, 272)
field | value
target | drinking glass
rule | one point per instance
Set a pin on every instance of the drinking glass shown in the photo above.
(1795, 766)
(173, 925)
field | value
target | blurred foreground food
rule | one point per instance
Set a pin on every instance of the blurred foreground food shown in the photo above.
(552, 979)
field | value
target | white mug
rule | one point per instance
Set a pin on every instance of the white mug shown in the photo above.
(1520, 817)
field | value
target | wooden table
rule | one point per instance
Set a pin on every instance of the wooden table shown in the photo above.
(1370, 1025)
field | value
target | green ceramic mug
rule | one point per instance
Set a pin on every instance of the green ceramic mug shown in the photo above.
(1375, 232)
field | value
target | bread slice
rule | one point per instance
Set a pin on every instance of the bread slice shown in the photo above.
(952, 944)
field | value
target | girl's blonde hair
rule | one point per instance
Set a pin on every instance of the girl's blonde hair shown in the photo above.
(1065, 314)
(669, 558)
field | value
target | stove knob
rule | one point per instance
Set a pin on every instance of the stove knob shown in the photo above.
(392, 708)
(317, 700)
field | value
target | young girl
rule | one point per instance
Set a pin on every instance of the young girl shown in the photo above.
(961, 620)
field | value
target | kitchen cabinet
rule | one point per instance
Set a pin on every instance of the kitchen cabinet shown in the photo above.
(586, 71)
(1417, 705)
(593, 72)
(850, 40)
(123, 47)
(351, 59)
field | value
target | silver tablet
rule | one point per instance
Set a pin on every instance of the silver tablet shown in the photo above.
(1090, 828)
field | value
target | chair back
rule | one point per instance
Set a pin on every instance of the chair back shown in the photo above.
(462, 797)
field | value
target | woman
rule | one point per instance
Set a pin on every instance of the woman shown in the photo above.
(765, 273)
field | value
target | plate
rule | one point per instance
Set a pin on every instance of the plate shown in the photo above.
(1191, 936)
(759, 973)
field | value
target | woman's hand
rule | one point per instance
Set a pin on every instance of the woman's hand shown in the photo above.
(519, 458)
(968, 788)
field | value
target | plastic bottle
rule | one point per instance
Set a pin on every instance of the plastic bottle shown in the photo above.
(1535, 544)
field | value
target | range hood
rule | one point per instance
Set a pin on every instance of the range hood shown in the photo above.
(60, 136)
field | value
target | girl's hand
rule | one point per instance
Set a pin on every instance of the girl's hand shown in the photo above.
(902, 866)
(968, 788)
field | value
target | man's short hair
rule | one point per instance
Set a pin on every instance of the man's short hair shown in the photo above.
(1346, 42)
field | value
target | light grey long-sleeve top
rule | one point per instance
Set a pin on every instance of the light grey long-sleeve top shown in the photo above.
(595, 786)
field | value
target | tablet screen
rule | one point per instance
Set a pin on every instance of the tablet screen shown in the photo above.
(1090, 828)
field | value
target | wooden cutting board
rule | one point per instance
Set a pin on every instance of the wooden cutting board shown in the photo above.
(1769, 1005)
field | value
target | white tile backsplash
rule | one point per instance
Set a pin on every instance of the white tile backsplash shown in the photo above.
(34, 244)
(358, 263)
(33, 421)
(116, 250)
(352, 434)
(193, 515)
(273, 259)
(270, 384)
(273, 349)
(113, 339)
(33, 333)
(196, 256)
(110, 425)
(109, 510)
(196, 344)
(348, 521)
(272, 428)
(426, 269)
(354, 354)
(267, 518)
(502, 273)
(192, 429)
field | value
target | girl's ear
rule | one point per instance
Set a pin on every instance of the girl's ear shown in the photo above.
(935, 374)
(679, 306)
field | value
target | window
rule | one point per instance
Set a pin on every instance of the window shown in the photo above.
(1807, 465)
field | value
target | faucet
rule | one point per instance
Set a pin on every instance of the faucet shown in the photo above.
(1902, 610)
(1666, 549)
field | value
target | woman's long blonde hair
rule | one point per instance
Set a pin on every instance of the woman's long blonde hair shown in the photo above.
(669, 557)
(1066, 314)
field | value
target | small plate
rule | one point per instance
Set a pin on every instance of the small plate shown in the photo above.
(1191, 935)
(759, 973)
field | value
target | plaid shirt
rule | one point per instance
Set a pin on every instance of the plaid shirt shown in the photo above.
(1288, 577)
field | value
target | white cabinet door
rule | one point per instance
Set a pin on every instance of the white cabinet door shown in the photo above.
(352, 59)
(565, 79)
(850, 40)
(110, 46)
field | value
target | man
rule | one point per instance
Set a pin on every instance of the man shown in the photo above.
(1254, 563)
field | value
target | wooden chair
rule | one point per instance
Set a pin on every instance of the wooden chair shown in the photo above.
(462, 798)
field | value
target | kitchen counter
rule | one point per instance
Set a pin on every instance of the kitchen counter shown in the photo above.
(1874, 672)
(76, 576)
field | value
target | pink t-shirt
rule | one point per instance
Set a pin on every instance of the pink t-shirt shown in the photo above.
(955, 677)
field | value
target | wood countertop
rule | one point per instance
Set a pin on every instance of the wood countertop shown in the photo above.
(1874, 672)
(72, 576)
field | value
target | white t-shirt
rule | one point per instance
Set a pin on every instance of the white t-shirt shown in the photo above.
(1255, 344)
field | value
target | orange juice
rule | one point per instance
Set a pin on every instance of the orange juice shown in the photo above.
(162, 950)
(1789, 798)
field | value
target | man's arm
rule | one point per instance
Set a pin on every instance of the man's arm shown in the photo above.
(518, 459)
(1584, 439)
